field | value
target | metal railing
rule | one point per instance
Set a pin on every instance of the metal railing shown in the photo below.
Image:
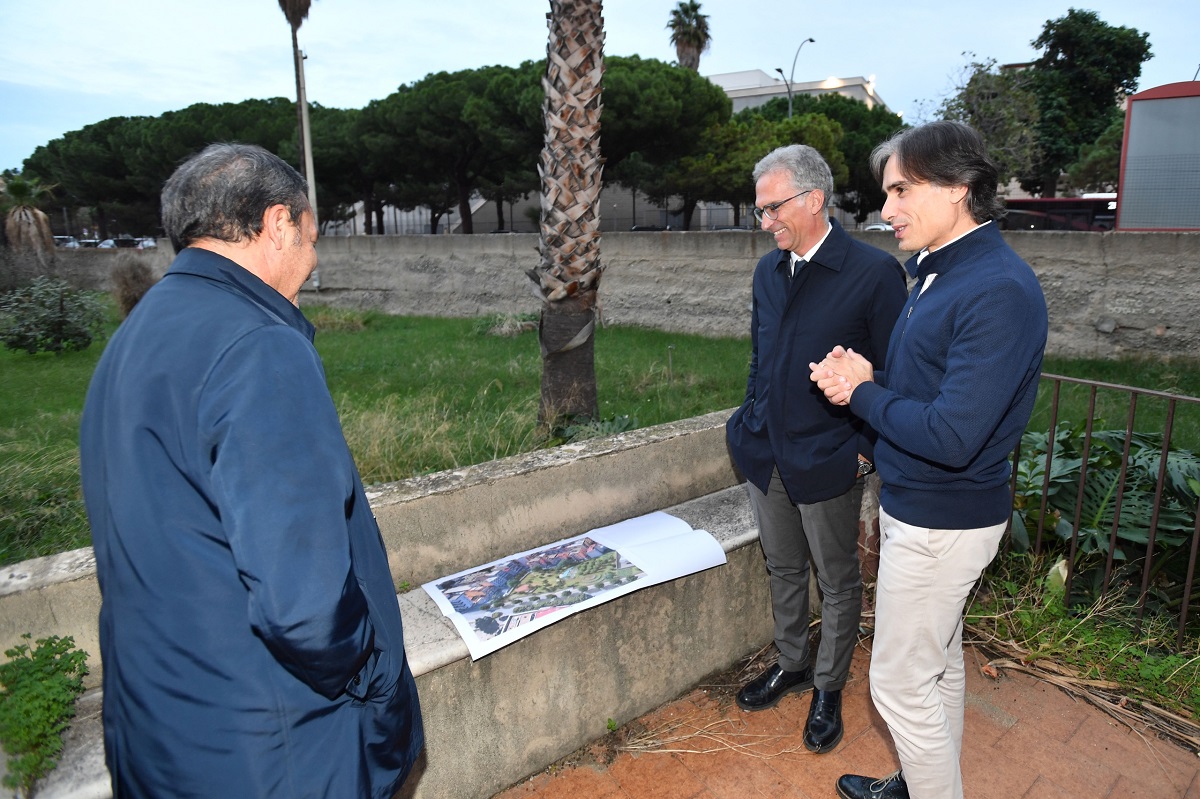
(1046, 512)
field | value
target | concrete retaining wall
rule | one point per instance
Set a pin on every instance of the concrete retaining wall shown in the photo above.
(493, 721)
(1109, 294)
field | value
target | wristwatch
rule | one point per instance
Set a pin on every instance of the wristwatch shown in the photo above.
(865, 467)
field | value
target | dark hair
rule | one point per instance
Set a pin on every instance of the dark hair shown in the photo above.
(803, 165)
(945, 153)
(222, 192)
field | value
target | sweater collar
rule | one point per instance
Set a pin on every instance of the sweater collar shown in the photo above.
(211, 266)
(964, 248)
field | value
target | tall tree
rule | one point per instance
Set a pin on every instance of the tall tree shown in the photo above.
(296, 11)
(1002, 105)
(1085, 69)
(689, 34)
(568, 273)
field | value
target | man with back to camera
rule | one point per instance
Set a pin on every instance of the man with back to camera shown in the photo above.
(951, 404)
(804, 459)
(250, 635)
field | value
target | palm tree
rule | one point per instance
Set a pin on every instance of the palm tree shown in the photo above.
(26, 226)
(568, 274)
(689, 34)
(296, 12)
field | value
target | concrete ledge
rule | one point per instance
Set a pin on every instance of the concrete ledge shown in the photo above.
(491, 722)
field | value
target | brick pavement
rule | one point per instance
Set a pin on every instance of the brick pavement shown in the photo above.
(1024, 739)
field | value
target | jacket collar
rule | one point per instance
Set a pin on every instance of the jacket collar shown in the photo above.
(831, 254)
(209, 265)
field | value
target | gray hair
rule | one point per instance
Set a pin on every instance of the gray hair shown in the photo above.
(223, 191)
(945, 153)
(803, 165)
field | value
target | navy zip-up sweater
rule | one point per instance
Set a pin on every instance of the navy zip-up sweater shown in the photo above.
(959, 385)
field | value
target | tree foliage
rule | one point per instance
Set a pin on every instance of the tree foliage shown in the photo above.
(1001, 104)
(1099, 165)
(859, 130)
(1085, 68)
(689, 34)
(1037, 120)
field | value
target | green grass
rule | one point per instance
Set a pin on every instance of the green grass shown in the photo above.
(1179, 376)
(418, 395)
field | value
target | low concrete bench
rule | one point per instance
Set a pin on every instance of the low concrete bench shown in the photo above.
(491, 722)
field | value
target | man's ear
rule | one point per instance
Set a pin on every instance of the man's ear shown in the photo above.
(958, 193)
(815, 199)
(277, 221)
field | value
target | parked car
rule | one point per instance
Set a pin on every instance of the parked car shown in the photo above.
(107, 244)
(66, 242)
(147, 243)
(878, 226)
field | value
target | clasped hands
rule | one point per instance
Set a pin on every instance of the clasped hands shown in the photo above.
(840, 372)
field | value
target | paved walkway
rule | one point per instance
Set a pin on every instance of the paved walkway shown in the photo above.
(1024, 740)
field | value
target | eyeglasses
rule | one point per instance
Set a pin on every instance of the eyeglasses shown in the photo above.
(770, 211)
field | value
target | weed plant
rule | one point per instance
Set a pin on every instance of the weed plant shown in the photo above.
(1019, 605)
(38, 688)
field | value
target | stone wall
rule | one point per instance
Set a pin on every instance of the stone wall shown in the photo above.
(1109, 294)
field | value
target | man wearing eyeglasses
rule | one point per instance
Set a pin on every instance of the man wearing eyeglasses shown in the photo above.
(804, 460)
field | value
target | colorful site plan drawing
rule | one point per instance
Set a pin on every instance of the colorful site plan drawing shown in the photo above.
(497, 603)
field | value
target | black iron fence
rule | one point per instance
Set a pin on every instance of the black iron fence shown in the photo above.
(1121, 508)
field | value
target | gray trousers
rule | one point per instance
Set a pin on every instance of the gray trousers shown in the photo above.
(827, 533)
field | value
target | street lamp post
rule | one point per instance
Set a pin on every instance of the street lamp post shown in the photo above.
(792, 75)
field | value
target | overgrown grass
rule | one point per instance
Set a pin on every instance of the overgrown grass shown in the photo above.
(417, 395)
(1019, 609)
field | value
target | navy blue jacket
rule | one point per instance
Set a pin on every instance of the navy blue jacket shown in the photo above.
(959, 385)
(849, 294)
(250, 634)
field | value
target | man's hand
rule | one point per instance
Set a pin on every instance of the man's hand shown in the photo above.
(839, 373)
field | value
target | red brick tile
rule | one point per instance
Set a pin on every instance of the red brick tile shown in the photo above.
(1152, 763)
(654, 776)
(1127, 788)
(735, 775)
(1027, 743)
(813, 775)
(575, 783)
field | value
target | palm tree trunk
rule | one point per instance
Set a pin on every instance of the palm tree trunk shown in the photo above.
(568, 274)
(299, 108)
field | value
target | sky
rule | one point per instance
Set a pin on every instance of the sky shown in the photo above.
(65, 64)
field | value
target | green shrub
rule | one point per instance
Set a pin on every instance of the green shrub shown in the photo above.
(49, 316)
(131, 279)
(40, 685)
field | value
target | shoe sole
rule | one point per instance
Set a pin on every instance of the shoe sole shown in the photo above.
(798, 688)
(826, 748)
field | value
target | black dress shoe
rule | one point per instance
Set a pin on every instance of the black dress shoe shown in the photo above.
(768, 688)
(824, 728)
(852, 786)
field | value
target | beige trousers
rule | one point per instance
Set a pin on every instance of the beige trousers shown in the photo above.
(917, 676)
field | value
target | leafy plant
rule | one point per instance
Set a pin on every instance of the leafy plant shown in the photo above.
(40, 685)
(1099, 509)
(49, 316)
(598, 429)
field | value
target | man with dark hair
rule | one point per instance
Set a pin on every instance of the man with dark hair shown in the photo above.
(805, 460)
(250, 635)
(953, 400)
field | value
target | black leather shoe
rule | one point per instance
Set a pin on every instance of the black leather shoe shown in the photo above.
(768, 688)
(824, 728)
(852, 786)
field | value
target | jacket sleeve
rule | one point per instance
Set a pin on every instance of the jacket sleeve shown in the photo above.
(751, 380)
(283, 478)
(986, 361)
(886, 303)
